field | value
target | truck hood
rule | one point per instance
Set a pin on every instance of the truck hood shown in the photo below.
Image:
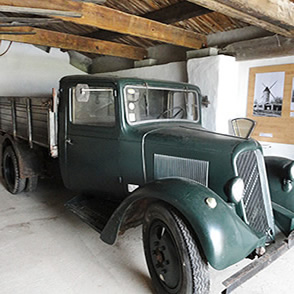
(194, 146)
(197, 139)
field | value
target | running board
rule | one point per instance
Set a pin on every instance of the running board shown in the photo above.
(92, 210)
(273, 252)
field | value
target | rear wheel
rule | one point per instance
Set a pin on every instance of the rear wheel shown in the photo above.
(11, 174)
(173, 258)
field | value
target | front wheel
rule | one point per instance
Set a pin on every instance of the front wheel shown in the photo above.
(11, 174)
(173, 258)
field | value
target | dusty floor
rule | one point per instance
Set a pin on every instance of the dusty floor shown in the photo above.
(46, 249)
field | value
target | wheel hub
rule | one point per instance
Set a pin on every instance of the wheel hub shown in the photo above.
(165, 257)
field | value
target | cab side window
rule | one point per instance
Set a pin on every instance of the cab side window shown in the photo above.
(92, 106)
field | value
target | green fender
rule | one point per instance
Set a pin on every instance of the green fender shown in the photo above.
(282, 201)
(224, 237)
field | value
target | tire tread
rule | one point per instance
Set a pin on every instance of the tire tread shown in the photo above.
(201, 281)
(20, 183)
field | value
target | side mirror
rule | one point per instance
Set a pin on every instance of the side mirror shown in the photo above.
(243, 127)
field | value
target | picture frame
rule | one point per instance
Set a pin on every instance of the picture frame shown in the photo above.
(271, 103)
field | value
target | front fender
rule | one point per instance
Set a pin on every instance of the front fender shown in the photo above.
(275, 167)
(282, 200)
(224, 237)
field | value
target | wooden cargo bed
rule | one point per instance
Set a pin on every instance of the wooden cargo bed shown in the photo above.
(31, 118)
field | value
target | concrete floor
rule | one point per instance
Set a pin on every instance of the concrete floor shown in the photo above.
(46, 249)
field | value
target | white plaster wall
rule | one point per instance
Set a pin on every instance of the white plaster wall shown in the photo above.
(27, 70)
(217, 78)
(275, 149)
(175, 71)
(204, 73)
(227, 94)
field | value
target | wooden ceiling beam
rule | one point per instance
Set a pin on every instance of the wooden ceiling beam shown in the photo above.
(250, 11)
(279, 12)
(113, 20)
(168, 15)
(38, 11)
(10, 19)
(70, 42)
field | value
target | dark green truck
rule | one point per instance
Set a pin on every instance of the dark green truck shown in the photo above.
(136, 153)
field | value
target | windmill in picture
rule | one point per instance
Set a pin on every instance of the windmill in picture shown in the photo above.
(268, 104)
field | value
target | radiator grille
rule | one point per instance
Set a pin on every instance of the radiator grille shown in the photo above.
(169, 166)
(248, 170)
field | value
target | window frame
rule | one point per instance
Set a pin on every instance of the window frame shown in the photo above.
(147, 87)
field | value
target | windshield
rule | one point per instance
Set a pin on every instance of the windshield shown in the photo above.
(150, 103)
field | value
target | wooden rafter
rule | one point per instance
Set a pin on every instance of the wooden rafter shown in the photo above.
(70, 42)
(38, 11)
(262, 13)
(10, 19)
(280, 12)
(113, 20)
(168, 15)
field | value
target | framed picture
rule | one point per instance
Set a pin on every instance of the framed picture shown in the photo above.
(268, 94)
(271, 103)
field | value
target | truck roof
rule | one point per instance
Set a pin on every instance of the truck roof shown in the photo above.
(124, 80)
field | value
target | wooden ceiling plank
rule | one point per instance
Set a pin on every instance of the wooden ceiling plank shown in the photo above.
(177, 12)
(10, 19)
(38, 11)
(71, 42)
(279, 12)
(174, 13)
(245, 17)
(113, 20)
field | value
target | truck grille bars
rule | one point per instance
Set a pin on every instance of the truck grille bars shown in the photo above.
(256, 196)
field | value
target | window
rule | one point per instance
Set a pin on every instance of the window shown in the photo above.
(92, 106)
(146, 104)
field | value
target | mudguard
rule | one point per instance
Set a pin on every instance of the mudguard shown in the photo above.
(223, 236)
(282, 200)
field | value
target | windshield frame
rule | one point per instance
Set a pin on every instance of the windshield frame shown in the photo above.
(175, 89)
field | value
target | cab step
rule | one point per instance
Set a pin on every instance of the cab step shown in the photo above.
(92, 210)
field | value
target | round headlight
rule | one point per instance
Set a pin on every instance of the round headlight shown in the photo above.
(291, 171)
(236, 189)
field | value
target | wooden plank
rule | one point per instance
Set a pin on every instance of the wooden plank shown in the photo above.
(38, 11)
(279, 12)
(266, 47)
(168, 15)
(29, 20)
(177, 12)
(71, 42)
(244, 16)
(113, 20)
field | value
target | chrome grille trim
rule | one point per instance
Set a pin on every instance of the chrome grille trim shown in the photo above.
(251, 168)
(166, 166)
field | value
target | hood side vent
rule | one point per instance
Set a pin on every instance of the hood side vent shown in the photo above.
(166, 166)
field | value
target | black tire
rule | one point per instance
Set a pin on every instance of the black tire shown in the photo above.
(10, 170)
(31, 184)
(173, 258)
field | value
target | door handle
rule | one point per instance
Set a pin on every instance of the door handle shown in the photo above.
(69, 141)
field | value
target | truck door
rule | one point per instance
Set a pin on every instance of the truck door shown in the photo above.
(91, 139)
